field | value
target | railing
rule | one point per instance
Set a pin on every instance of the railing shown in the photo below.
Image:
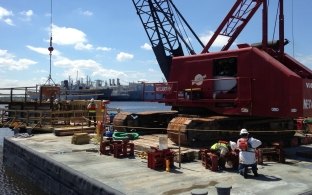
(42, 117)
(217, 89)
(16, 94)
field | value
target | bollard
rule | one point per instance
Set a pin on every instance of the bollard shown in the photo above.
(223, 189)
(199, 192)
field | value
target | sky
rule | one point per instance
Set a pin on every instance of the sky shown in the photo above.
(103, 39)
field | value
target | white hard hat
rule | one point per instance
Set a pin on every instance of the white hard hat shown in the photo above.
(92, 99)
(243, 131)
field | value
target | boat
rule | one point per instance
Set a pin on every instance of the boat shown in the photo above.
(68, 90)
(133, 91)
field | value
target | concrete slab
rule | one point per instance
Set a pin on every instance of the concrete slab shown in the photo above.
(131, 175)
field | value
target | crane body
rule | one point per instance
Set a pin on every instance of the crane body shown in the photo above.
(255, 86)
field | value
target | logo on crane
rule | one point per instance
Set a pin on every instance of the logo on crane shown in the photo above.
(198, 79)
(309, 85)
(307, 104)
(163, 87)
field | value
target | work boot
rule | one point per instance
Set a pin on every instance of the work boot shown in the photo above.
(255, 173)
(243, 173)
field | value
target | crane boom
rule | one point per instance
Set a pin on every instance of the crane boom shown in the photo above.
(160, 24)
(234, 22)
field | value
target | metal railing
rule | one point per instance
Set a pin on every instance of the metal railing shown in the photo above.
(16, 94)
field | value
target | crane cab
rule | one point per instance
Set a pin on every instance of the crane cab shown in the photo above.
(246, 81)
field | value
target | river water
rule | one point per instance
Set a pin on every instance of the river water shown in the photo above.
(12, 183)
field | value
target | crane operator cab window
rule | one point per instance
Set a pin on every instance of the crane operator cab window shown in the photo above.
(224, 74)
(225, 67)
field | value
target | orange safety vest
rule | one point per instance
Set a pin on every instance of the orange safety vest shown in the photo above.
(243, 144)
(103, 105)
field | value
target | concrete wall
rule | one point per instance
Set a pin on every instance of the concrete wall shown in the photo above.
(49, 175)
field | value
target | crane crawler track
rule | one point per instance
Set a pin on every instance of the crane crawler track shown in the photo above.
(203, 131)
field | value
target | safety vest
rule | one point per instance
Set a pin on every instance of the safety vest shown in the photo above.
(92, 107)
(103, 105)
(244, 145)
(218, 146)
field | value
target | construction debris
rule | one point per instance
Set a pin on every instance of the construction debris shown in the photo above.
(80, 138)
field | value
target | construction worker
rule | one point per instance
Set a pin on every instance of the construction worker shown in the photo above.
(247, 153)
(92, 112)
(221, 148)
(56, 105)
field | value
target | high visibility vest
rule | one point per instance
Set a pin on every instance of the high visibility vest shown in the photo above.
(218, 146)
(244, 145)
(92, 107)
(103, 105)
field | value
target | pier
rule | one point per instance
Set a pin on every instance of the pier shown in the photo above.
(59, 167)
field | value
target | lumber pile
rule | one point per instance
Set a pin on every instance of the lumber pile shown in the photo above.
(80, 138)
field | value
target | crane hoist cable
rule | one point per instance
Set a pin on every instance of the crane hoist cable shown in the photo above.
(275, 21)
(180, 25)
(292, 28)
(50, 48)
(51, 24)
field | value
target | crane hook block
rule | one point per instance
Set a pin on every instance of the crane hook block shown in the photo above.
(50, 49)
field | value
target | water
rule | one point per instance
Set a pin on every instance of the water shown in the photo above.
(139, 106)
(11, 183)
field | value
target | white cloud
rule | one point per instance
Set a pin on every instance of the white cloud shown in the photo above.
(82, 12)
(87, 13)
(67, 36)
(8, 61)
(71, 36)
(78, 64)
(83, 46)
(5, 16)
(7, 83)
(43, 51)
(108, 73)
(103, 48)
(219, 42)
(72, 67)
(151, 70)
(122, 56)
(27, 15)
(306, 60)
(146, 46)
(8, 21)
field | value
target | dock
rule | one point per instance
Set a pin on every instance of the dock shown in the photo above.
(59, 167)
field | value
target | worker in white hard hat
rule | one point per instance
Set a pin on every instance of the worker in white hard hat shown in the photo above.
(56, 105)
(92, 112)
(247, 153)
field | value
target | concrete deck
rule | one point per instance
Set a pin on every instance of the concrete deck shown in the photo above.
(131, 175)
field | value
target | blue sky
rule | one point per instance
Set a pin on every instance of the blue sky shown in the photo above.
(105, 39)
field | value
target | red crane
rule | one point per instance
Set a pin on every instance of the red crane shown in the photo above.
(256, 86)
